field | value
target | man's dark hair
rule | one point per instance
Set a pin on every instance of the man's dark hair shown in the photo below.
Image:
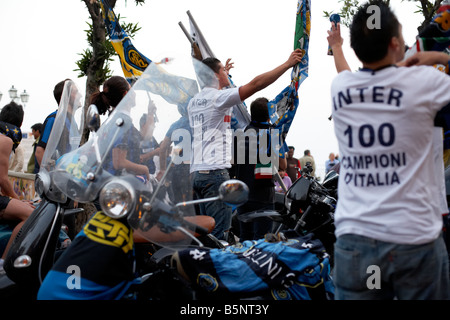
(212, 63)
(259, 111)
(58, 90)
(37, 127)
(306, 152)
(369, 42)
(291, 147)
(12, 113)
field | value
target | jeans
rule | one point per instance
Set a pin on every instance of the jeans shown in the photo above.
(181, 187)
(206, 185)
(368, 269)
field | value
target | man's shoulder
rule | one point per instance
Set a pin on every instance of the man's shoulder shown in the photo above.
(5, 143)
(50, 117)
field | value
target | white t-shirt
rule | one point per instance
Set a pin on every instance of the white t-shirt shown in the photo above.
(384, 123)
(210, 118)
(439, 169)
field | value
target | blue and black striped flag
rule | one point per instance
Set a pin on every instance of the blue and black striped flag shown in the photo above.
(283, 108)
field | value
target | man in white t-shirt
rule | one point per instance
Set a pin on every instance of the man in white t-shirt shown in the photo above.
(388, 218)
(209, 115)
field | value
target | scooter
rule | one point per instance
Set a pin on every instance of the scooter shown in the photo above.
(127, 244)
(307, 207)
(41, 240)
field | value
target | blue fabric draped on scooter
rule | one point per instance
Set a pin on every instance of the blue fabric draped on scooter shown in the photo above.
(296, 269)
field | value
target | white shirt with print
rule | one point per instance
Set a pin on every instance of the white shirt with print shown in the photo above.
(210, 118)
(384, 123)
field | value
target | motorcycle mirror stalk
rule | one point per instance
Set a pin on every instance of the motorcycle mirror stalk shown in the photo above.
(232, 192)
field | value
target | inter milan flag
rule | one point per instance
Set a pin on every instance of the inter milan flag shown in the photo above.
(174, 89)
(282, 109)
(133, 62)
(294, 269)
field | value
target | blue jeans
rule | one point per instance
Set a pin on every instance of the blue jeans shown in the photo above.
(206, 185)
(368, 269)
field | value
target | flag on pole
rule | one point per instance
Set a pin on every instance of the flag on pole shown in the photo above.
(199, 39)
(436, 35)
(282, 109)
(174, 89)
(133, 62)
(201, 50)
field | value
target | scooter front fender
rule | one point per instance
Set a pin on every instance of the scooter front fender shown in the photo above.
(36, 244)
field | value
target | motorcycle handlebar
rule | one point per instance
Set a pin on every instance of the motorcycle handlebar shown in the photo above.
(196, 228)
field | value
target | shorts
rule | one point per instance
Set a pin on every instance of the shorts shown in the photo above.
(4, 201)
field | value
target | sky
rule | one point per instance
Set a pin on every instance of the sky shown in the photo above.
(42, 40)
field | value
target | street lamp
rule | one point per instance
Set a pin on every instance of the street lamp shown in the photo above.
(12, 93)
(24, 96)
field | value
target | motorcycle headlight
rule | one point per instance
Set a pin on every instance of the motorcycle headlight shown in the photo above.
(41, 184)
(117, 199)
(46, 188)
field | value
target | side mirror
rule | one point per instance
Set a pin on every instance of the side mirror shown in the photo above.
(93, 118)
(331, 180)
(233, 192)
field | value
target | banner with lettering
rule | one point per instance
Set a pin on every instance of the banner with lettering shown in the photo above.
(283, 108)
(133, 62)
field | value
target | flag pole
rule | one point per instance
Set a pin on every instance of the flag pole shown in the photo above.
(196, 50)
(186, 33)
(200, 33)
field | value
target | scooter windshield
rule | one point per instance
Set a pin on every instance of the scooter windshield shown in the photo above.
(66, 131)
(138, 160)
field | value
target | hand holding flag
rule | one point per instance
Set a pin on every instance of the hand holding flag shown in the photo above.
(228, 66)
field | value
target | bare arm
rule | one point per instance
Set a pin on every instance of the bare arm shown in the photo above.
(39, 154)
(151, 154)
(282, 163)
(336, 41)
(427, 58)
(262, 81)
(5, 150)
(120, 161)
(163, 153)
